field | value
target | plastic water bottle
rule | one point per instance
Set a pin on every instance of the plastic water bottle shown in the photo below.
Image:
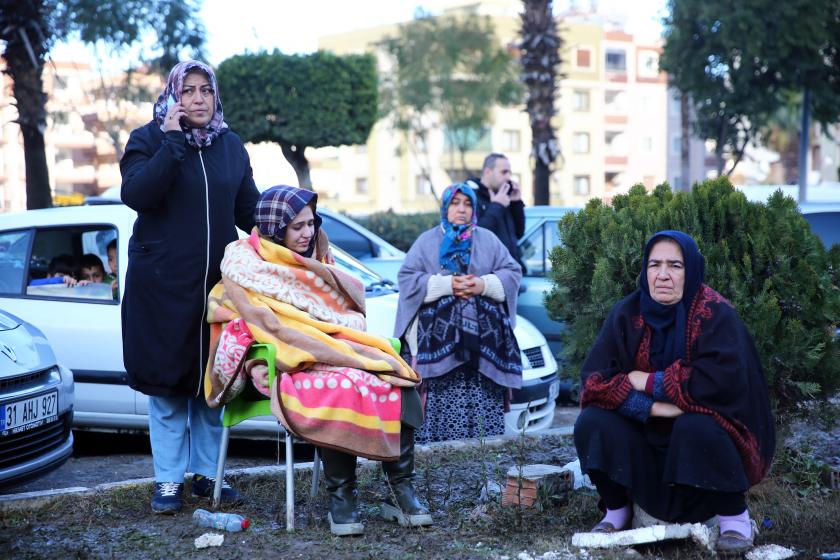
(226, 521)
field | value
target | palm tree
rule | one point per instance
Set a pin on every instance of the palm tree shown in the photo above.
(540, 60)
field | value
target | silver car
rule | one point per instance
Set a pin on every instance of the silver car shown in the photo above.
(36, 404)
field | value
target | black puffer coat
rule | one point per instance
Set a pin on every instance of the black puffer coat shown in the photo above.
(189, 203)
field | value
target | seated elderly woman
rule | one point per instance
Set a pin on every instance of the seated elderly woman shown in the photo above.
(338, 387)
(458, 288)
(676, 416)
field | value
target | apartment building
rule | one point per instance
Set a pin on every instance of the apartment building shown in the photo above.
(611, 124)
(89, 117)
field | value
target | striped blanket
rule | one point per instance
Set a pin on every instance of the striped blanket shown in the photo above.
(339, 385)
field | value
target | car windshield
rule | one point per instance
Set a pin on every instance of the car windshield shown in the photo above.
(375, 285)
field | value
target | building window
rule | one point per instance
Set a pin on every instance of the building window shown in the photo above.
(583, 58)
(511, 141)
(648, 64)
(580, 142)
(361, 185)
(675, 104)
(616, 60)
(581, 185)
(422, 185)
(615, 101)
(580, 100)
(676, 145)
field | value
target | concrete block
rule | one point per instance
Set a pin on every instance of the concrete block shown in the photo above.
(642, 535)
(770, 552)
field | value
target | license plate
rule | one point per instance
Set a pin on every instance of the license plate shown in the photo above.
(26, 414)
(553, 390)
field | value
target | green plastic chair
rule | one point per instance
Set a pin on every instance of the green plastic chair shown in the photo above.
(241, 409)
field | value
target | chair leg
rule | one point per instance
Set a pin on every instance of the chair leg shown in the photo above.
(220, 467)
(316, 473)
(290, 484)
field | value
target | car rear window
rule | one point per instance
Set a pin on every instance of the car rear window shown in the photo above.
(72, 263)
(14, 246)
(826, 225)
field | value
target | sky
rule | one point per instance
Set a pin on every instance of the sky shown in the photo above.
(237, 26)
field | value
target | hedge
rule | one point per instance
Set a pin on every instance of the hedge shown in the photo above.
(762, 257)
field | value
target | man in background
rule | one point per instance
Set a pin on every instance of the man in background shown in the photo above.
(500, 207)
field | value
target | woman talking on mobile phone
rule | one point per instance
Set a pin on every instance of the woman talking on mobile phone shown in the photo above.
(457, 309)
(189, 179)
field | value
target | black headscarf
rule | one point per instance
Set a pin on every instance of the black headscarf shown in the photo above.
(668, 322)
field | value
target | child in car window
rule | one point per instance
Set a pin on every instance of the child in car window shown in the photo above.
(92, 269)
(112, 266)
(62, 268)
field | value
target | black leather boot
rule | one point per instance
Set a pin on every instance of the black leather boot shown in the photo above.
(340, 476)
(402, 504)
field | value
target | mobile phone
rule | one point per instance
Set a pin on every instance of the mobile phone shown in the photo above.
(170, 102)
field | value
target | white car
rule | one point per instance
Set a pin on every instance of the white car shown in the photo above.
(36, 402)
(83, 322)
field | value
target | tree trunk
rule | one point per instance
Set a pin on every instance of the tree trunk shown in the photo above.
(542, 174)
(720, 163)
(294, 154)
(804, 137)
(25, 64)
(38, 193)
(540, 60)
(685, 145)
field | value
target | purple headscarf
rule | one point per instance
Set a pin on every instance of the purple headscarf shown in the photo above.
(196, 137)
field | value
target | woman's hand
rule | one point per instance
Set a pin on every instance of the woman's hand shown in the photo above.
(466, 286)
(638, 379)
(172, 120)
(665, 410)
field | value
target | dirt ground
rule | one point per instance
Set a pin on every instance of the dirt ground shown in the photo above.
(118, 524)
(100, 458)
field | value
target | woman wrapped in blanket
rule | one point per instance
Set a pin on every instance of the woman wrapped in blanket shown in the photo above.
(458, 288)
(676, 417)
(341, 388)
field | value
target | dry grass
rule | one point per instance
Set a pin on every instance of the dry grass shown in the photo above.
(117, 524)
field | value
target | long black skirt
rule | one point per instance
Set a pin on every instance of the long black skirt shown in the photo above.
(676, 470)
(462, 404)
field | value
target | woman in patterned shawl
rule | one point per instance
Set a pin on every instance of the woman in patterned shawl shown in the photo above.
(282, 283)
(458, 288)
(676, 416)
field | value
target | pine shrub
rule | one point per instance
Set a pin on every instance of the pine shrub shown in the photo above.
(400, 230)
(762, 257)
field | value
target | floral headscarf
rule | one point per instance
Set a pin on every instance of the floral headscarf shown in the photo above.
(457, 239)
(277, 208)
(196, 137)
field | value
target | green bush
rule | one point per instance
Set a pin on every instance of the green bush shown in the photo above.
(401, 230)
(762, 257)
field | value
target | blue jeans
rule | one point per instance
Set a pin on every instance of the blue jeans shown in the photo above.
(185, 435)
